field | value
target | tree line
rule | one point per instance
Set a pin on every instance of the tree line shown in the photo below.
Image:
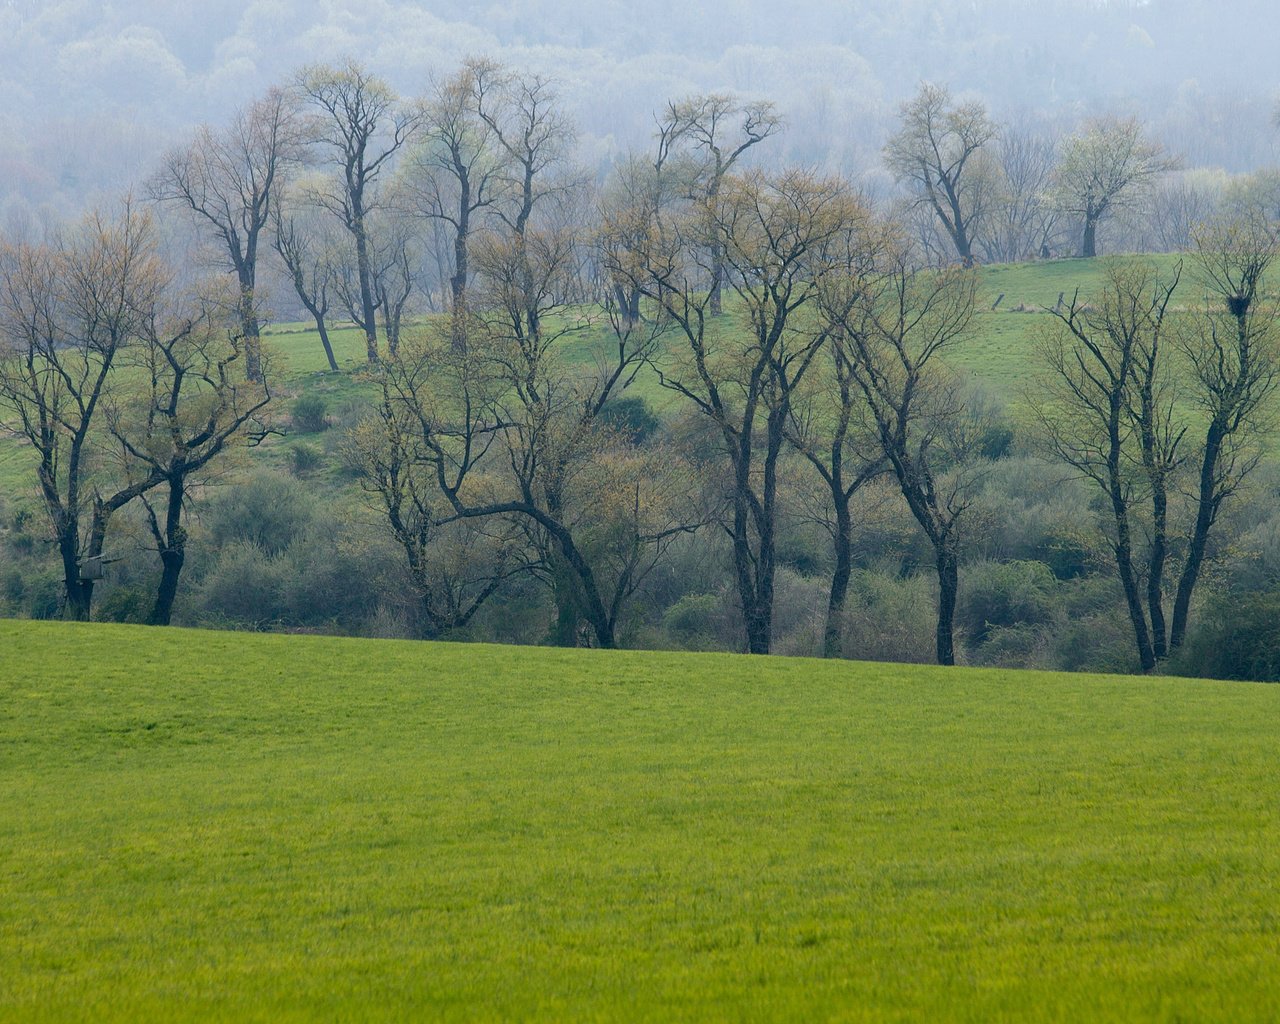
(792, 334)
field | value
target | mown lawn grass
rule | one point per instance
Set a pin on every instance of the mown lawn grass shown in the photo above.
(213, 826)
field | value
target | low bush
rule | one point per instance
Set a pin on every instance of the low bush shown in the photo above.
(310, 414)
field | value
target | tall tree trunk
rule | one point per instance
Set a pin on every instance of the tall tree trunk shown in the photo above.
(1124, 564)
(251, 329)
(568, 605)
(324, 340)
(1206, 507)
(948, 587)
(77, 593)
(717, 279)
(458, 283)
(173, 554)
(1088, 244)
(590, 605)
(1155, 574)
(833, 637)
(754, 571)
(368, 306)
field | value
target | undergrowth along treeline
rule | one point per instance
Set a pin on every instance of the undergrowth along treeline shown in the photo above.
(701, 404)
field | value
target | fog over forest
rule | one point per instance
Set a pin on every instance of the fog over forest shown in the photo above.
(96, 91)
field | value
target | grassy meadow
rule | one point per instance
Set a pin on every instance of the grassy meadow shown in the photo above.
(216, 826)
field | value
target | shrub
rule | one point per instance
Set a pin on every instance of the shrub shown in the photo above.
(125, 604)
(305, 459)
(631, 415)
(891, 618)
(310, 414)
(243, 587)
(697, 621)
(268, 510)
(1002, 594)
(1238, 637)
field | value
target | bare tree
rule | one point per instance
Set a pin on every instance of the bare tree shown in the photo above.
(456, 173)
(937, 152)
(897, 325)
(1107, 409)
(184, 403)
(1175, 209)
(522, 113)
(829, 430)
(229, 179)
(360, 123)
(508, 433)
(394, 259)
(779, 240)
(455, 566)
(720, 129)
(1232, 349)
(67, 311)
(307, 252)
(1106, 166)
(1022, 220)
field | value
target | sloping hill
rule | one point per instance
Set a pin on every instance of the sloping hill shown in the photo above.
(217, 826)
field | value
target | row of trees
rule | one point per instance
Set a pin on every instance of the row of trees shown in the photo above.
(1005, 193)
(789, 323)
(375, 206)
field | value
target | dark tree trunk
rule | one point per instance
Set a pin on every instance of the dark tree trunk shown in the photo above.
(78, 594)
(948, 587)
(581, 590)
(1155, 575)
(458, 283)
(1089, 242)
(717, 280)
(758, 617)
(1124, 564)
(568, 605)
(324, 340)
(173, 553)
(628, 304)
(1206, 511)
(833, 637)
(252, 331)
(754, 572)
(754, 569)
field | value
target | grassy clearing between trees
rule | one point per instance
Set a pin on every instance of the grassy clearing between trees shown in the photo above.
(997, 354)
(217, 826)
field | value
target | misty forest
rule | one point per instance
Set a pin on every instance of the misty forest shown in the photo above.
(917, 332)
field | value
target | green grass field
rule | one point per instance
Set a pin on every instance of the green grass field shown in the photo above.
(217, 826)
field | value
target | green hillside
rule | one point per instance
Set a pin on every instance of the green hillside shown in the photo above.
(217, 826)
(996, 355)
